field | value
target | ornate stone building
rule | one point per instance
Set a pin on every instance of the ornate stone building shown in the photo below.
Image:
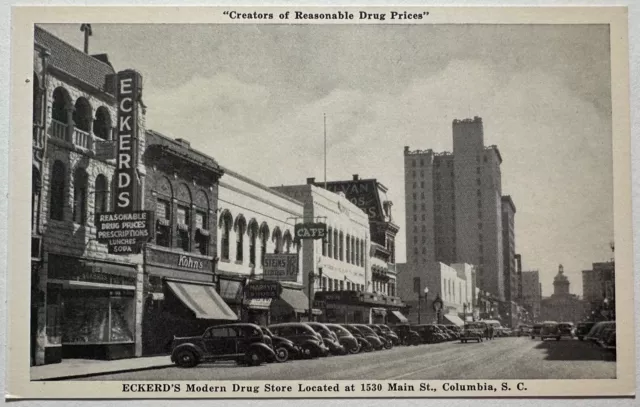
(562, 306)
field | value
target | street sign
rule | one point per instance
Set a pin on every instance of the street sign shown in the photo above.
(280, 267)
(310, 230)
(262, 289)
(123, 233)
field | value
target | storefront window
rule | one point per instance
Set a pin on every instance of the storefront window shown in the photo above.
(98, 316)
(54, 314)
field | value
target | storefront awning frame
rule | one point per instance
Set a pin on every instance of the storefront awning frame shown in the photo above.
(202, 299)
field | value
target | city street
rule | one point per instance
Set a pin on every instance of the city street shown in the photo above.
(501, 358)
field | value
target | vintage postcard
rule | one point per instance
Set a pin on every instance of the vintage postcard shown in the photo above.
(306, 202)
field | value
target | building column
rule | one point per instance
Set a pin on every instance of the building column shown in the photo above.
(70, 123)
(139, 311)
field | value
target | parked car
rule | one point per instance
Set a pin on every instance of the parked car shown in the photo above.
(451, 335)
(346, 339)
(303, 336)
(583, 328)
(407, 335)
(329, 338)
(377, 342)
(387, 331)
(535, 330)
(365, 343)
(601, 332)
(550, 329)
(244, 343)
(457, 330)
(472, 331)
(283, 348)
(387, 340)
(523, 330)
(566, 329)
(430, 333)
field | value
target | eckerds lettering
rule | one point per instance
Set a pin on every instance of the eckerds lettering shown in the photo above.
(128, 92)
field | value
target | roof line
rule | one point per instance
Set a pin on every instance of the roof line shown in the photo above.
(72, 46)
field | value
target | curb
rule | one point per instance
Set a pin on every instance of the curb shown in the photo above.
(85, 375)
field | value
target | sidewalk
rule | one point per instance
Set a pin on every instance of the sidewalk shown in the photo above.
(75, 368)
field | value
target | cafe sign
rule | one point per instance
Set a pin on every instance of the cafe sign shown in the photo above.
(262, 289)
(280, 267)
(310, 231)
(123, 233)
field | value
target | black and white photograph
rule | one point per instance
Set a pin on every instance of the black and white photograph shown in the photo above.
(346, 201)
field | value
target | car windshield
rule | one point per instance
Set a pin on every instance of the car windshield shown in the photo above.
(352, 329)
(266, 331)
(384, 328)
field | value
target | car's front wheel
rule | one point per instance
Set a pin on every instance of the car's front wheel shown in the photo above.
(354, 349)
(186, 358)
(255, 358)
(282, 354)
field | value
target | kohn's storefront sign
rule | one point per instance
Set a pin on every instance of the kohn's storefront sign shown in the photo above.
(262, 289)
(128, 86)
(310, 231)
(280, 267)
(123, 233)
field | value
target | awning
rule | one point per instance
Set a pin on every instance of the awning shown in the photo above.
(401, 318)
(454, 319)
(295, 298)
(231, 290)
(258, 303)
(203, 300)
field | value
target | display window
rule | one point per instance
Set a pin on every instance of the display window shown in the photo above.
(98, 316)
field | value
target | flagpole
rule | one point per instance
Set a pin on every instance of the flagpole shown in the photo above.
(325, 150)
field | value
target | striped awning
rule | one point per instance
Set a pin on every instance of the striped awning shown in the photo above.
(296, 299)
(203, 300)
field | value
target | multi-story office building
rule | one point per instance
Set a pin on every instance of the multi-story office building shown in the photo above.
(509, 249)
(531, 293)
(454, 206)
(598, 288)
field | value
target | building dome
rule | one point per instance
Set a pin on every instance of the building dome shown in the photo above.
(561, 282)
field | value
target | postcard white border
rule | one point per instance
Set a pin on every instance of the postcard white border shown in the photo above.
(23, 18)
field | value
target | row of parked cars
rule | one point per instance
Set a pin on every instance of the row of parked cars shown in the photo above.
(251, 344)
(603, 333)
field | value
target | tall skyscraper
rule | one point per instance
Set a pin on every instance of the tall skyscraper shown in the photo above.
(454, 206)
(509, 249)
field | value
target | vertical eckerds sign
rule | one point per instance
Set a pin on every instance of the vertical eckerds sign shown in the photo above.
(127, 94)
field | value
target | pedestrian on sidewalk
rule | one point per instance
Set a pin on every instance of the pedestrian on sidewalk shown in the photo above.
(486, 331)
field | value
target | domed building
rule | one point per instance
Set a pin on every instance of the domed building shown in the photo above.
(562, 306)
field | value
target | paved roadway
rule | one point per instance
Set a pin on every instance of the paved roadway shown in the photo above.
(501, 358)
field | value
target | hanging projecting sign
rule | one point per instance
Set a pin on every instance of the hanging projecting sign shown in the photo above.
(123, 233)
(310, 230)
(128, 87)
(280, 267)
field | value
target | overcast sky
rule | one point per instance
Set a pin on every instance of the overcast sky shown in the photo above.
(253, 97)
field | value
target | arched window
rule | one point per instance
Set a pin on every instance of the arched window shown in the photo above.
(226, 222)
(287, 241)
(83, 114)
(37, 103)
(252, 232)
(56, 203)
(264, 238)
(357, 252)
(277, 239)
(102, 123)
(61, 103)
(341, 247)
(80, 196)
(335, 244)
(240, 228)
(330, 242)
(101, 194)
